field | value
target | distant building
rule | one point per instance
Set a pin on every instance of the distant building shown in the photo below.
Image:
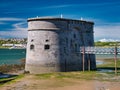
(15, 45)
(7, 45)
(54, 45)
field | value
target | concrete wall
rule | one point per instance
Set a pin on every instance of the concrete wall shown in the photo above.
(64, 37)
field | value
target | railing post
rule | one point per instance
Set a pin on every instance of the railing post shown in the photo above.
(83, 57)
(89, 58)
(115, 59)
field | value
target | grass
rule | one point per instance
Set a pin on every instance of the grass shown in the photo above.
(11, 79)
(87, 75)
(3, 47)
(64, 78)
(60, 76)
(5, 68)
(109, 63)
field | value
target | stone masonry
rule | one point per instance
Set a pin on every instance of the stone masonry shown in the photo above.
(54, 45)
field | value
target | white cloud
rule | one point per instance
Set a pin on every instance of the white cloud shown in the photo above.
(13, 34)
(11, 19)
(20, 26)
(19, 29)
(80, 5)
(107, 31)
(108, 40)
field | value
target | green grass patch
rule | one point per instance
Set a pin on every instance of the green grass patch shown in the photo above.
(10, 80)
(109, 63)
(4, 47)
(87, 75)
(75, 75)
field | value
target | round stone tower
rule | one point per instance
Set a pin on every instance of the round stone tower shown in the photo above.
(54, 43)
(43, 46)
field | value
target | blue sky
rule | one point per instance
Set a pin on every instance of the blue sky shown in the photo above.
(104, 13)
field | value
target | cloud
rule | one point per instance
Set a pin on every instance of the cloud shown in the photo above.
(12, 19)
(108, 30)
(80, 5)
(105, 31)
(20, 26)
(13, 34)
(108, 40)
(18, 30)
(57, 6)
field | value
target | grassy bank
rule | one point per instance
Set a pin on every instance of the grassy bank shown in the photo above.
(6, 68)
(109, 63)
(61, 76)
(10, 80)
(75, 75)
(2, 47)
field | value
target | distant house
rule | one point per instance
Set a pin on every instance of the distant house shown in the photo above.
(14, 45)
(8, 45)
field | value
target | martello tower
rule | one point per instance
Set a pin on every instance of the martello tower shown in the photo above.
(54, 45)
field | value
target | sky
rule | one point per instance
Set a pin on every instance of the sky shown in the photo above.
(104, 13)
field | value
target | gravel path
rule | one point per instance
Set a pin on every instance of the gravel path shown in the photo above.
(30, 82)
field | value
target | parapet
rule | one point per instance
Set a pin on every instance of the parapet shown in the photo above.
(60, 19)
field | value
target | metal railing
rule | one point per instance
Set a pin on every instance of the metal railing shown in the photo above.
(99, 50)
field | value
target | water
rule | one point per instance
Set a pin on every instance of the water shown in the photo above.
(106, 56)
(12, 56)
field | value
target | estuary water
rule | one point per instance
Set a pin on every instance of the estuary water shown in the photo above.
(12, 56)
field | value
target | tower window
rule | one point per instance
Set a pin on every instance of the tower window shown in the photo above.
(32, 40)
(66, 40)
(32, 47)
(47, 40)
(46, 47)
(64, 50)
(74, 35)
(76, 48)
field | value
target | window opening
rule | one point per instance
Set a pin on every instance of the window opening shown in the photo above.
(47, 40)
(71, 43)
(74, 35)
(75, 47)
(64, 50)
(32, 47)
(32, 40)
(66, 40)
(46, 47)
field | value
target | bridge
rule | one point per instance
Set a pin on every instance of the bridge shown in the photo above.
(100, 50)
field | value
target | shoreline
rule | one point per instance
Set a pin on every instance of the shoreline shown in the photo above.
(10, 48)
